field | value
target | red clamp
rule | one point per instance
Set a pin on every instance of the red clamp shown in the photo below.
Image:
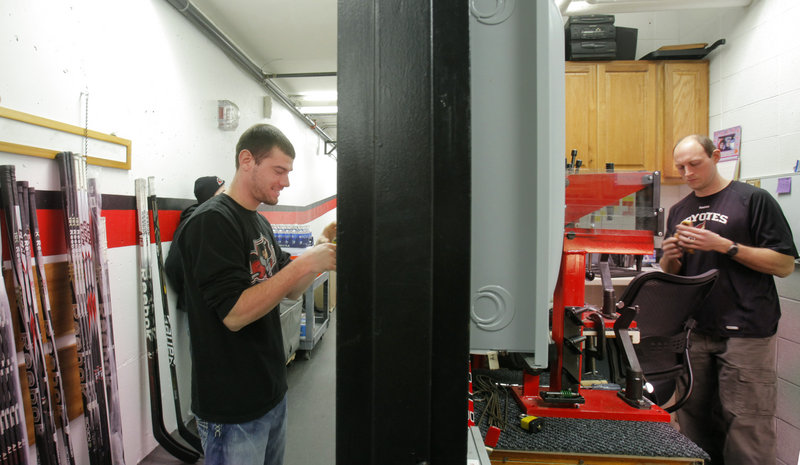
(492, 436)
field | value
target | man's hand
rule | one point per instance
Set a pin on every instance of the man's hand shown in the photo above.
(291, 281)
(321, 257)
(671, 255)
(671, 249)
(314, 261)
(691, 238)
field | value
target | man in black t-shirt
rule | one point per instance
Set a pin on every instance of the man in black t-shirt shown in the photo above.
(235, 276)
(741, 231)
(204, 188)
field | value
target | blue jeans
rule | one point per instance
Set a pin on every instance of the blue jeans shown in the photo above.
(261, 441)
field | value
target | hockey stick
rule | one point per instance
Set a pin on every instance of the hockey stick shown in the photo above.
(106, 326)
(183, 431)
(85, 357)
(15, 432)
(112, 450)
(34, 356)
(90, 406)
(48, 417)
(146, 282)
(13, 438)
(48, 320)
(12, 415)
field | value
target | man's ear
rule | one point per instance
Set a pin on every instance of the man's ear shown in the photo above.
(245, 158)
(715, 155)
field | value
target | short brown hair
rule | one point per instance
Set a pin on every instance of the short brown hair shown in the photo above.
(704, 141)
(260, 139)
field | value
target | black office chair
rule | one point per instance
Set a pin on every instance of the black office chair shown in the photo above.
(665, 304)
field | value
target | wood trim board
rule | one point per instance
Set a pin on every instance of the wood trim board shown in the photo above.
(24, 149)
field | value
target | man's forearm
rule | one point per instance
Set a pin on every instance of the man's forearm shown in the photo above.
(256, 301)
(765, 260)
(670, 265)
(301, 286)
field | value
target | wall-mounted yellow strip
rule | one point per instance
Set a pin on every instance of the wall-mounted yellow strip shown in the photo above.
(67, 128)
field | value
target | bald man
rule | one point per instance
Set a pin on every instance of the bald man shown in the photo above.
(741, 231)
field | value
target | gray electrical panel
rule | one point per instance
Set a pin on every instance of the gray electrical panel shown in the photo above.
(517, 87)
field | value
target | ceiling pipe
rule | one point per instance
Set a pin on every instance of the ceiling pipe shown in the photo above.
(301, 75)
(196, 17)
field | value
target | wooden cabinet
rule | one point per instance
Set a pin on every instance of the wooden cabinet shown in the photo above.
(631, 113)
(685, 104)
(581, 123)
(626, 116)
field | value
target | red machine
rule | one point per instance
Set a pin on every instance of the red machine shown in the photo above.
(586, 195)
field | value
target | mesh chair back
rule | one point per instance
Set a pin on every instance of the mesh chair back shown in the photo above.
(665, 304)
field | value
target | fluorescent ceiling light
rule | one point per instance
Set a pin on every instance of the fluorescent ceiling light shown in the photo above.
(620, 1)
(317, 95)
(578, 7)
(320, 110)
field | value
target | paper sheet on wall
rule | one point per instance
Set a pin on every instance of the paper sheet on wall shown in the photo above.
(728, 142)
(729, 169)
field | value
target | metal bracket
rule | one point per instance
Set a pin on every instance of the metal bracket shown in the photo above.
(330, 146)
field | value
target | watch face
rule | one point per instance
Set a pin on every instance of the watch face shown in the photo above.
(733, 250)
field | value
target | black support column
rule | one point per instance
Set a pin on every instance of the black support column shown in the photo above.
(404, 222)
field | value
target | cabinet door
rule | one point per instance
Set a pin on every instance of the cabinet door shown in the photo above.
(626, 119)
(581, 113)
(685, 107)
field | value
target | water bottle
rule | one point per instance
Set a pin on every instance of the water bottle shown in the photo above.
(301, 236)
(280, 235)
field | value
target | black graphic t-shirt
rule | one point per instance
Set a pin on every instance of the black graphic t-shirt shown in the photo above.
(236, 376)
(744, 302)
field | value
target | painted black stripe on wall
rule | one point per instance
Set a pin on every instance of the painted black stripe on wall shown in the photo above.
(51, 200)
(128, 202)
(48, 200)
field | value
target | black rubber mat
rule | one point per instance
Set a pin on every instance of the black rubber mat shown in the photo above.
(610, 437)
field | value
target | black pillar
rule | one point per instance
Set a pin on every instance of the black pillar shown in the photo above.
(404, 231)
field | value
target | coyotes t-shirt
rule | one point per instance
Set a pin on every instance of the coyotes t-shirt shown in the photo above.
(744, 302)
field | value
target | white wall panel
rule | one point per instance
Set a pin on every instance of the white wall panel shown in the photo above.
(789, 69)
(787, 152)
(760, 118)
(788, 409)
(788, 362)
(761, 160)
(789, 438)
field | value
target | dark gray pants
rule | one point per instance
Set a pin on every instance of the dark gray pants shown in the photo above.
(731, 412)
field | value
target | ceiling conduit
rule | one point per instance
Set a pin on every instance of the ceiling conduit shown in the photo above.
(200, 20)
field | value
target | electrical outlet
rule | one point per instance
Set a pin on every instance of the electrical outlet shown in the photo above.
(493, 362)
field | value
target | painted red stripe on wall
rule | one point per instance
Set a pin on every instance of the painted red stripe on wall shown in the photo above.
(51, 233)
(299, 216)
(121, 227)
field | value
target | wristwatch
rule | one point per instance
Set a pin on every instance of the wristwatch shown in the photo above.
(732, 250)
